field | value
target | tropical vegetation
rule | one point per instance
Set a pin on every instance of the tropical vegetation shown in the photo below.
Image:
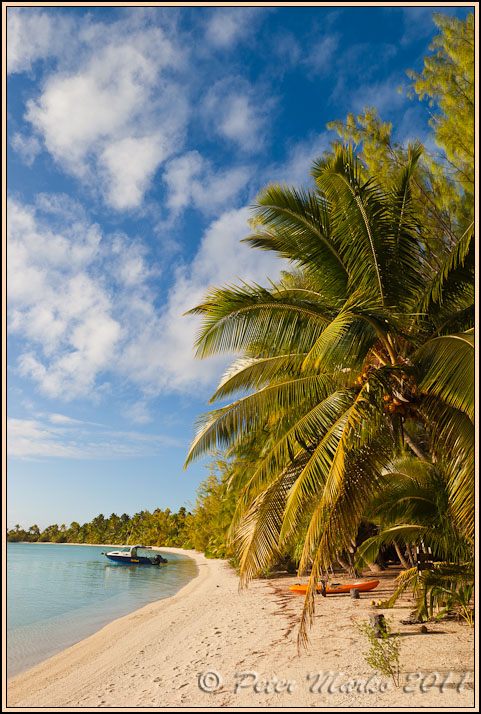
(355, 382)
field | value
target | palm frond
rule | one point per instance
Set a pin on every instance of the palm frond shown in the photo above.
(257, 536)
(296, 225)
(447, 365)
(253, 373)
(238, 318)
(451, 275)
(360, 220)
(222, 426)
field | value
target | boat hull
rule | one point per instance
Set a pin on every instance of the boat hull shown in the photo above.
(362, 587)
(128, 560)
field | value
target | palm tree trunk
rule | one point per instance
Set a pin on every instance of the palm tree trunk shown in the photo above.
(344, 565)
(414, 447)
(402, 559)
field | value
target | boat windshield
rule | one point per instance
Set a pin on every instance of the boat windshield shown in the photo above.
(145, 553)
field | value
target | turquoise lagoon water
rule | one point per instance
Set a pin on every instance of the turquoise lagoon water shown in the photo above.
(59, 594)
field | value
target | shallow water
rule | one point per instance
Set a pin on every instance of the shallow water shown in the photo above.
(60, 594)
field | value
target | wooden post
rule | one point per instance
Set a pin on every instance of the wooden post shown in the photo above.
(379, 624)
(354, 593)
(323, 588)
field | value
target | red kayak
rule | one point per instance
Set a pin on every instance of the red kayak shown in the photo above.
(332, 589)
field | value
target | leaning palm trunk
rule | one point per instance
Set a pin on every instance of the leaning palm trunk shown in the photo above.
(402, 560)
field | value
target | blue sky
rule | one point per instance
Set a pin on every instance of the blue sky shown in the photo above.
(137, 139)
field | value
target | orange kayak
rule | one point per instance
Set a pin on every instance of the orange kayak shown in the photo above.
(332, 589)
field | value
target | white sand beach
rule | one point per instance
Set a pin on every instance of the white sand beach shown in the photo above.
(157, 656)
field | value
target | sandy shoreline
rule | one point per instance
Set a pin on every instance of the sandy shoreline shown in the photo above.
(154, 656)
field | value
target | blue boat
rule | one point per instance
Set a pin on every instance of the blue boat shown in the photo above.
(137, 555)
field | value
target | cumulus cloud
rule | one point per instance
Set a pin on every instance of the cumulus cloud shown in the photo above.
(192, 181)
(58, 302)
(34, 35)
(383, 95)
(113, 107)
(114, 117)
(226, 26)
(162, 355)
(295, 169)
(238, 112)
(82, 302)
(130, 164)
(27, 146)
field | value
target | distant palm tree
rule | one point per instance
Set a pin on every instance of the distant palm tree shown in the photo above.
(365, 351)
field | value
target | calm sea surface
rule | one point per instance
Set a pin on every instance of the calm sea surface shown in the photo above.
(59, 594)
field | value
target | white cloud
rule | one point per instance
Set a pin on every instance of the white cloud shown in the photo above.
(193, 182)
(418, 24)
(295, 169)
(31, 438)
(62, 419)
(64, 439)
(130, 164)
(412, 125)
(82, 305)
(27, 146)
(383, 95)
(286, 48)
(320, 56)
(238, 112)
(226, 26)
(114, 118)
(33, 35)
(138, 413)
(57, 303)
(162, 355)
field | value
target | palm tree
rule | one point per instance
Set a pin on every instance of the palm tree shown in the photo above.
(366, 351)
(413, 507)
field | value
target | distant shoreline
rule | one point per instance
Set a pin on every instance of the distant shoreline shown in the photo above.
(52, 542)
(98, 545)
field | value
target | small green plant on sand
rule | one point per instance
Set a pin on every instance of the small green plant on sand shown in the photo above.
(457, 601)
(384, 650)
